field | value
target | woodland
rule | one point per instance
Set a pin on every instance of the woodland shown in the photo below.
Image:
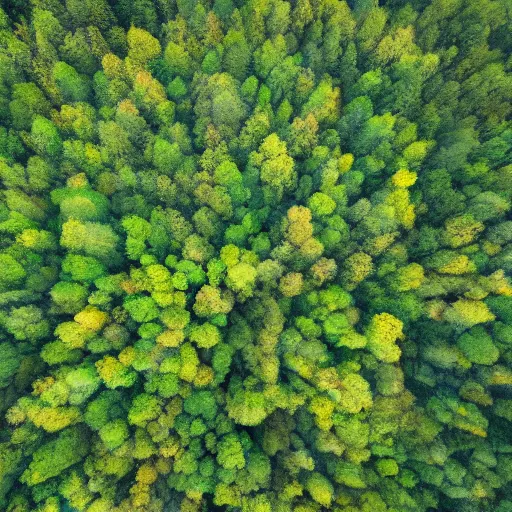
(255, 256)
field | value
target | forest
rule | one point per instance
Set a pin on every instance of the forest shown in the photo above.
(255, 255)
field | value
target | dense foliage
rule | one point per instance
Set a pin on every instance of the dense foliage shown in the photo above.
(254, 255)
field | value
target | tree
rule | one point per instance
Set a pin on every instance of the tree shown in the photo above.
(92, 238)
(27, 102)
(382, 333)
(320, 488)
(478, 347)
(323, 103)
(291, 284)
(276, 166)
(230, 454)
(142, 46)
(205, 335)
(14, 272)
(72, 86)
(57, 455)
(302, 137)
(179, 61)
(70, 297)
(255, 255)
(236, 55)
(45, 137)
(218, 102)
(466, 313)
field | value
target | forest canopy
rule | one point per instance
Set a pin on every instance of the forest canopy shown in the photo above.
(255, 256)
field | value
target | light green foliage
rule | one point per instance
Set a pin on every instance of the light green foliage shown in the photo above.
(45, 137)
(92, 238)
(55, 456)
(382, 333)
(255, 256)
(83, 382)
(467, 313)
(178, 60)
(320, 488)
(142, 46)
(167, 157)
(230, 454)
(354, 394)
(141, 309)
(12, 272)
(478, 347)
(114, 433)
(175, 318)
(277, 168)
(73, 87)
(321, 204)
(26, 323)
(387, 467)
(114, 374)
(27, 101)
(323, 103)
(9, 363)
(246, 407)
(143, 408)
(201, 403)
(241, 278)
(70, 297)
(83, 268)
(349, 475)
